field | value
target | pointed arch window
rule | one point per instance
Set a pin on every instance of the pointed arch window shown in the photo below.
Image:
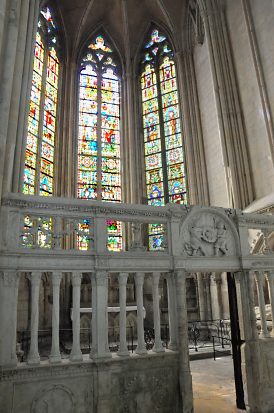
(41, 128)
(163, 146)
(99, 164)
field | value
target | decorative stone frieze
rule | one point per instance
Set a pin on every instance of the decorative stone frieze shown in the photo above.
(207, 234)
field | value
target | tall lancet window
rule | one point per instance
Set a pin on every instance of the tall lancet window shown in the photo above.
(99, 166)
(41, 130)
(164, 154)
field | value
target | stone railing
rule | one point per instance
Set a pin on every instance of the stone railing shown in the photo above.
(58, 236)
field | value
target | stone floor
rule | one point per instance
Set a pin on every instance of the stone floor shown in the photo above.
(213, 386)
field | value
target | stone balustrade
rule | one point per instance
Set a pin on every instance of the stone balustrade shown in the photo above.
(61, 236)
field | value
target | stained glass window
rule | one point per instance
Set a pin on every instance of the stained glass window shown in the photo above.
(164, 155)
(41, 129)
(99, 165)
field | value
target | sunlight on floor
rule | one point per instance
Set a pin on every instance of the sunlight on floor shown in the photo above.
(213, 386)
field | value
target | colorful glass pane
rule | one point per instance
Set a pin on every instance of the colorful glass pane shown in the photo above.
(162, 129)
(83, 237)
(99, 138)
(114, 230)
(152, 147)
(42, 119)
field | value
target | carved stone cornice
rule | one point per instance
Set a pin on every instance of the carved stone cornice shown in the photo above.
(93, 208)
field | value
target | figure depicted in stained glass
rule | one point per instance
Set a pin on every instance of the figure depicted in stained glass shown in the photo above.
(40, 142)
(162, 128)
(99, 165)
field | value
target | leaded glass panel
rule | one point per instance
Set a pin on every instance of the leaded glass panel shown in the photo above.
(99, 164)
(40, 142)
(164, 156)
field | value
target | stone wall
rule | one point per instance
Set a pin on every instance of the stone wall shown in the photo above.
(249, 83)
(115, 386)
(212, 143)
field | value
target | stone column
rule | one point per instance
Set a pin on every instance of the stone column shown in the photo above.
(171, 296)
(123, 350)
(55, 356)
(158, 346)
(76, 354)
(228, 105)
(214, 297)
(224, 292)
(9, 281)
(94, 317)
(270, 282)
(100, 347)
(209, 312)
(33, 356)
(259, 277)
(185, 375)
(251, 356)
(139, 282)
(201, 295)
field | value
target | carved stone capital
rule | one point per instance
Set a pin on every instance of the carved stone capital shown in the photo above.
(76, 278)
(139, 279)
(56, 278)
(35, 278)
(155, 278)
(10, 278)
(123, 276)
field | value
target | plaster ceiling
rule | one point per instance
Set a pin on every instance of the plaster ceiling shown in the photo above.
(126, 21)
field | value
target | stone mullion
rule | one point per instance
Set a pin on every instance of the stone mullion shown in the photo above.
(162, 133)
(41, 116)
(99, 133)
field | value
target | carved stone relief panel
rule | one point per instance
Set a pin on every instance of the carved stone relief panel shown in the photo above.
(207, 234)
(55, 398)
(145, 392)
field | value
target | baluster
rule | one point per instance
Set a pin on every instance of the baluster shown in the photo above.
(270, 282)
(76, 354)
(172, 345)
(158, 346)
(55, 356)
(259, 276)
(123, 350)
(33, 356)
(139, 282)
